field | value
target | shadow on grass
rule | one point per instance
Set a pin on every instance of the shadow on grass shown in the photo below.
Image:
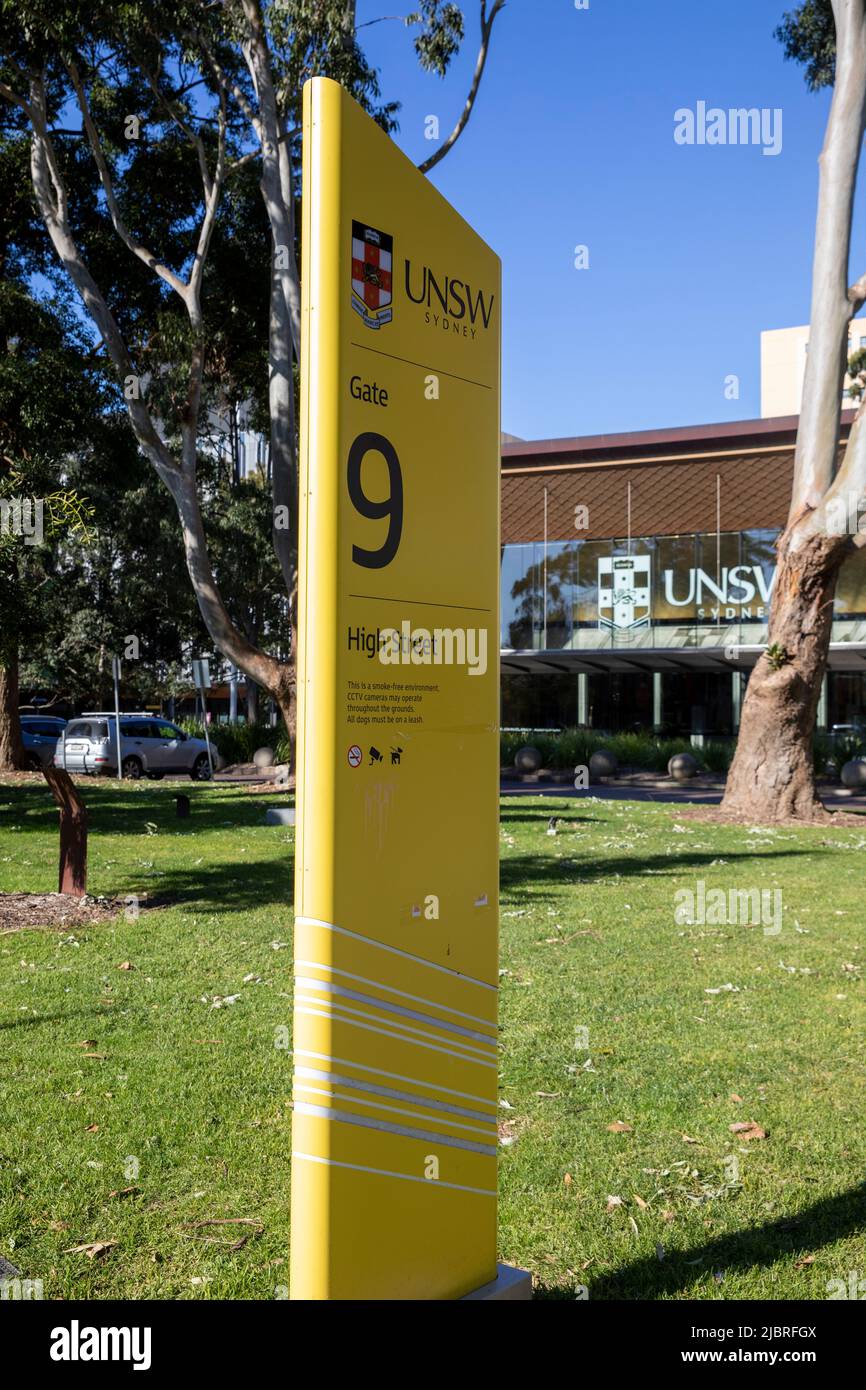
(518, 870)
(826, 1221)
(115, 811)
(224, 888)
(33, 1020)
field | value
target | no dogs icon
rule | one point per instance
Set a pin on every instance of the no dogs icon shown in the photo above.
(355, 756)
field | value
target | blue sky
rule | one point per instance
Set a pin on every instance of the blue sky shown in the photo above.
(693, 250)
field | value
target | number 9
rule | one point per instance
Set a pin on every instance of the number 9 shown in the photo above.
(391, 507)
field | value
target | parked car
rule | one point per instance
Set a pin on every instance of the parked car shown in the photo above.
(40, 733)
(149, 747)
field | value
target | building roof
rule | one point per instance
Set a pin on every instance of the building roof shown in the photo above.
(652, 482)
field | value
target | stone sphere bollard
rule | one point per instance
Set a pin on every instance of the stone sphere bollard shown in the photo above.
(602, 763)
(854, 773)
(682, 766)
(263, 757)
(527, 759)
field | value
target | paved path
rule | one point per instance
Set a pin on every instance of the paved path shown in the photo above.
(702, 791)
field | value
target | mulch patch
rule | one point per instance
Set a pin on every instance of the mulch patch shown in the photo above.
(22, 911)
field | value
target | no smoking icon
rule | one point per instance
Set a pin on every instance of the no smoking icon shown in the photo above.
(355, 755)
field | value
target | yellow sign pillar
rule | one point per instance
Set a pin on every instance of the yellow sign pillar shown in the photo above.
(396, 895)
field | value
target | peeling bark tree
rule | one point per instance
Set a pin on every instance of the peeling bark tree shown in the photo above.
(772, 775)
(73, 831)
(248, 75)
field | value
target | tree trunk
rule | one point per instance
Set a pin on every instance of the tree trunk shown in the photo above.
(73, 831)
(288, 706)
(772, 776)
(12, 757)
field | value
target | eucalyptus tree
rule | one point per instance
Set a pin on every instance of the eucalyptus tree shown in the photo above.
(149, 126)
(772, 774)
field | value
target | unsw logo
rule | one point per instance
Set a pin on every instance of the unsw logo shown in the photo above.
(624, 592)
(372, 264)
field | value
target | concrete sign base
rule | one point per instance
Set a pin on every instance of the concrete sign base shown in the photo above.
(510, 1284)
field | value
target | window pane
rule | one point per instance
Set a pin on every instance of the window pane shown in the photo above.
(521, 597)
(560, 570)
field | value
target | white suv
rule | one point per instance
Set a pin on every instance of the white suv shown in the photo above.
(149, 747)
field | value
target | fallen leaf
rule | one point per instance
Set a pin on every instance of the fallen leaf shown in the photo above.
(644, 1206)
(126, 965)
(92, 1249)
(122, 1192)
(668, 1216)
(88, 1042)
(97, 1056)
(747, 1129)
(613, 1203)
(58, 1225)
(687, 1139)
(619, 1127)
(736, 1099)
(633, 1224)
(806, 1260)
(568, 1180)
(92, 1129)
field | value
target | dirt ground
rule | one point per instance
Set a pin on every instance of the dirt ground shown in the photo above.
(60, 910)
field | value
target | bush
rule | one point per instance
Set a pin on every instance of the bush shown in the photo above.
(238, 742)
(651, 753)
(832, 753)
(717, 757)
(573, 748)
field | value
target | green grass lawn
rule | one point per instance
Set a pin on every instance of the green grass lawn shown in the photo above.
(187, 1104)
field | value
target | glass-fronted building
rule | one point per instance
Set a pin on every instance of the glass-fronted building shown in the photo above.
(637, 572)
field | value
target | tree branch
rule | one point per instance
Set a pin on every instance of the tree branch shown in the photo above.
(208, 221)
(818, 433)
(14, 99)
(857, 295)
(451, 141)
(51, 197)
(231, 88)
(285, 302)
(848, 486)
(149, 259)
(186, 129)
(190, 414)
(276, 184)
